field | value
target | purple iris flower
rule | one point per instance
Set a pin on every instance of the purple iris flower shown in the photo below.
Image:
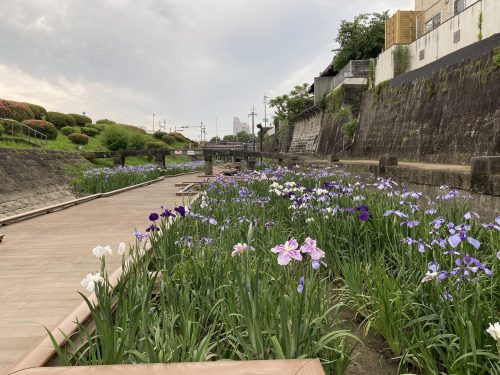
(471, 214)
(362, 208)
(152, 228)
(167, 213)
(300, 287)
(447, 296)
(180, 210)
(455, 240)
(395, 212)
(212, 221)
(269, 224)
(430, 211)
(498, 255)
(315, 264)
(153, 216)
(139, 235)
(364, 216)
(410, 223)
(309, 247)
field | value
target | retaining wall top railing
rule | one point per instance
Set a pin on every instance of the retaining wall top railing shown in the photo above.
(353, 69)
(25, 132)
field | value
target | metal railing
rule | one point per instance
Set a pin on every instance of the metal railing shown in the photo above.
(353, 69)
(24, 132)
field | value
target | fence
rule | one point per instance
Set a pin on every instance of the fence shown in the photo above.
(353, 69)
(26, 133)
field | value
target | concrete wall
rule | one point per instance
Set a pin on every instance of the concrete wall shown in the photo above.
(322, 86)
(31, 179)
(306, 131)
(440, 41)
(449, 116)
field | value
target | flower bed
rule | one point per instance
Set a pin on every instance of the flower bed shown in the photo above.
(102, 180)
(261, 265)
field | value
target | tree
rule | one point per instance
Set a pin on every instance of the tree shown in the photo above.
(243, 136)
(289, 105)
(229, 138)
(214, 140)
(360, 39)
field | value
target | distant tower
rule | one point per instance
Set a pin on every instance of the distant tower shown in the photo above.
(239, 126)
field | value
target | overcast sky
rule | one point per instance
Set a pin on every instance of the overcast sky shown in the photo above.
(185, 60)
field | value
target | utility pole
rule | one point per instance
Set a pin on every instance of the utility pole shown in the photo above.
(253, 114)
(265, 111)
(216, 136)
(153, 122)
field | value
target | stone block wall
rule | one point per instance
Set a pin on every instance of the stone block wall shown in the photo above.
(32, 179)
(448, 116)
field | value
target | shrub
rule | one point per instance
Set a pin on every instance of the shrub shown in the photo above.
(115, 138)
(1, 130)
(67, 130)
(11, 126)
(79, 139)
(60, 120)
(137, 141)
(159, 134)
(43, 127)
(156, 145)
(168, 139)
(132, 128)
(105, 121)
(178, 137)
(15, 110)
(91, 132)
(38, 111)
(81, 120)
(98, 127)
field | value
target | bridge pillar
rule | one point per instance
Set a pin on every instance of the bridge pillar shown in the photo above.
(386, 161)
(209, 165)
(160, 160)
(119, 161)
(251, 163)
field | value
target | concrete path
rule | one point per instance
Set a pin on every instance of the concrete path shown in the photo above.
(44, 259)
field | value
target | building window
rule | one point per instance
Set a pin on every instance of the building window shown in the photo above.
(433, 22)
(421, 54)
(459, 6)
(456, 36)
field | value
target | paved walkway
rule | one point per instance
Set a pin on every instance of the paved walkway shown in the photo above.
(44, 259)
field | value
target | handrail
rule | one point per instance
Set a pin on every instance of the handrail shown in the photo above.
(36, 134)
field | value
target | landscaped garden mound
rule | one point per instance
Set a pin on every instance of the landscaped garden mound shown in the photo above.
(261, 265)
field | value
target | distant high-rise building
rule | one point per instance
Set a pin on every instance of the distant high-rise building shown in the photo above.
(239, 126)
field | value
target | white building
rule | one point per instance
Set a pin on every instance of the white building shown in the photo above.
(438, 28)
(239, 126)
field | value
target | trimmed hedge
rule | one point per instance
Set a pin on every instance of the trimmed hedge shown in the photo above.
(60, 120)
(11, 126)
(38, 111)
(115, 138)
(168, 139)
(156, 145)
(42, 126)
(138, 141)
(91, 132)
(15, 110)
(98, 127)
(132, 128)
(79, 139)
(67, 130)
(81, 120)
(159, 134)
(105, 121)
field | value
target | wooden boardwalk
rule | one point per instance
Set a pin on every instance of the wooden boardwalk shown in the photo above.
(44, 259)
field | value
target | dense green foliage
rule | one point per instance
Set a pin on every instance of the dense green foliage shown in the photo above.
(168, 139)
(115, 138)
(81, 120)
(38, 111)
(78, 138)
(67, 130)
(138, 141)
(105, 122)
(60, 120)
(289, 105)
(42, 126)
(159, 134)
(156, 145)
(91, 132)
(1, 130)
(98, 127)
(362, 38)
(15, 110)
(401, 59)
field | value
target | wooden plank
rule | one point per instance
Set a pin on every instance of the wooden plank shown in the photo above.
(269, 367)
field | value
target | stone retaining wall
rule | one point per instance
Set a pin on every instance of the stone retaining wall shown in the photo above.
(31, 179)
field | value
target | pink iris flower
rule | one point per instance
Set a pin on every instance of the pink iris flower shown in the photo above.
(309, 247)
(287, 251)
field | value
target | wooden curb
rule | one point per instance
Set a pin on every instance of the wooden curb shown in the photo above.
(61, 206)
